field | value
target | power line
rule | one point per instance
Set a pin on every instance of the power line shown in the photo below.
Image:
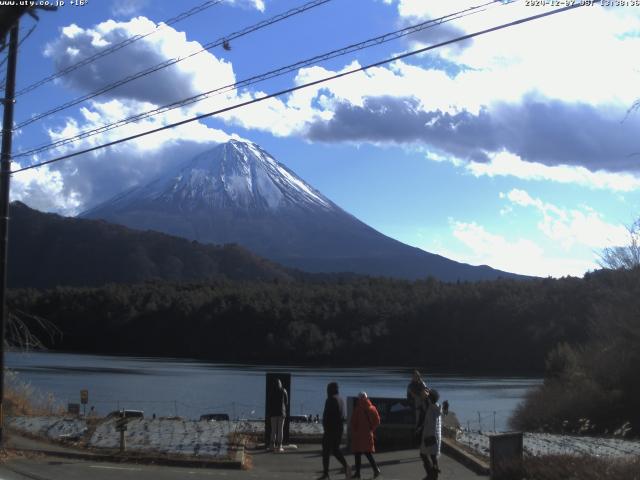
(306, 85)
(117, 46)
(265, 76)
(173, 61)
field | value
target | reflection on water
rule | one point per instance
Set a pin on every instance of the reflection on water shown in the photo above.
(191, 388)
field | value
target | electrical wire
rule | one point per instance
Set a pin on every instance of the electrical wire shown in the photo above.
(173, 61)
(265, 76)
(117, 46)
(306, 85)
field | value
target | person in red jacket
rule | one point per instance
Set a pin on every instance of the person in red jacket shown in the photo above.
(364, 421)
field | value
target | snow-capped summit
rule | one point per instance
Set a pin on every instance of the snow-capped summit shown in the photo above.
(238, 193)
(235, 174)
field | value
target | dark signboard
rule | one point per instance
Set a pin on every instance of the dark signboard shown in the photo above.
(505, 452)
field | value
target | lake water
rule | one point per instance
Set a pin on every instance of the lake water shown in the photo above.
(189, 388)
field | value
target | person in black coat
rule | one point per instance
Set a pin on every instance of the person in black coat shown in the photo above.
(333, 425)
(278, 413)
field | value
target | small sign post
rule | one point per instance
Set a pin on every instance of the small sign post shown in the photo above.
(84, 399)
(121, 426)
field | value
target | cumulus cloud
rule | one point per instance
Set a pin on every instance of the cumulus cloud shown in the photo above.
(186, 78)
(126, 8)
(518, 255)
(44, 189)
(509, 102)
(543, 131)
(257, 4)
(506, 164)
(570, 227)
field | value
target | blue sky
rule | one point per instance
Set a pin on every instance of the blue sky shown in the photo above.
(514, 149)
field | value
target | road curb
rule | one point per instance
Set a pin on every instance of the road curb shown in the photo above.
(452, 449)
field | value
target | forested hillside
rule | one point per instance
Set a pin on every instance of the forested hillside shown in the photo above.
(503, 325)
(46, 250)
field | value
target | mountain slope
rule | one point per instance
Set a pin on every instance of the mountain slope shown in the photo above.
(46, 250)
(238, 193)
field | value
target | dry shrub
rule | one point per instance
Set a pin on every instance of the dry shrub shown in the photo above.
(21, 398)
(563, 407)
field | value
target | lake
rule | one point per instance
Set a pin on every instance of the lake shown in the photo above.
(190, 388)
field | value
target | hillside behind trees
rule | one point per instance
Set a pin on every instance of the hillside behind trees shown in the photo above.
(47, 250)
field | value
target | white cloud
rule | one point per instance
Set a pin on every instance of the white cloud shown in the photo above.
(512, 255)
(571, 227)
(43, 189)
(257, 4)
(504, 164)
(125, 8)
(193, 74)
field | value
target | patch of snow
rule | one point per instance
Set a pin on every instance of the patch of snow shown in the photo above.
(55, 428)
(239, 189)
(537, 444)
(300, 185)
(185, 437)
(267, 189)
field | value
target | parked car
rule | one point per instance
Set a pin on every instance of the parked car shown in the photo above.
(298, 418)
(126, 414)
(218, 417)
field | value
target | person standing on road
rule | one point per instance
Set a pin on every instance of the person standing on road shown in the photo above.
(414, 397)
(431, 433)
(364, 421)
(414, 392)
(333, 426)
(278, 413)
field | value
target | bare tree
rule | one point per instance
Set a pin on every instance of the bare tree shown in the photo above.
(625, 256)
(26, 331)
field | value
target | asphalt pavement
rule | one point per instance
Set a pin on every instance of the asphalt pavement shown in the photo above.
(304, 463)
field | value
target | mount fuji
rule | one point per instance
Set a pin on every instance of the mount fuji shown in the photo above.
(238, 193)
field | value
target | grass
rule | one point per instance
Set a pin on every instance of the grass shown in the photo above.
(22, 399)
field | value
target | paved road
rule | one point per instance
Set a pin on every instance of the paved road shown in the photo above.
(304, 463)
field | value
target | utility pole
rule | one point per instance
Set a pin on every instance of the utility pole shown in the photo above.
(5, 173)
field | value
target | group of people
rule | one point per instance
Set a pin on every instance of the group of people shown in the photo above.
(364, 421)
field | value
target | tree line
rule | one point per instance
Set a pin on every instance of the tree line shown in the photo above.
(491, 326)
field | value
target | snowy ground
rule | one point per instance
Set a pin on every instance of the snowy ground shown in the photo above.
(210, 439)
(545, 444)
(54, 428)
(184, 437)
